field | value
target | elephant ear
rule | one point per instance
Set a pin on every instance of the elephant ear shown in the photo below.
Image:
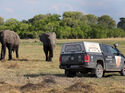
(52, 37)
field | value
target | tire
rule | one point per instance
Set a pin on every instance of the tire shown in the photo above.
(98, 71)
(69, 73)
(122, 72)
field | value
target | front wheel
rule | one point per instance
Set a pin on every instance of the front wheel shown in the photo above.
(98, 71)
(122, 72)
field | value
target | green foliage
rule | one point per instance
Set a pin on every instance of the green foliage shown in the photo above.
(73, 15)
(1, 21)
(121, 24)
(91, 19)
(107, 21)
(72, 24)
(98, 31)
(11, 21)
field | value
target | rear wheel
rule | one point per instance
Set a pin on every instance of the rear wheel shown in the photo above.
(98, 71)
(123, 71)
(70, 73)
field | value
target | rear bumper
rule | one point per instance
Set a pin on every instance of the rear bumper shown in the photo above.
(76, 67)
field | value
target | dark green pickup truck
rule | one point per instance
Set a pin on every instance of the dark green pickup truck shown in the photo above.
(84, 57)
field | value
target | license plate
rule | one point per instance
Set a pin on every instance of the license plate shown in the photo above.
(74, 66)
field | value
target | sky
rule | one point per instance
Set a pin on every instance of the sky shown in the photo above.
(26, 9)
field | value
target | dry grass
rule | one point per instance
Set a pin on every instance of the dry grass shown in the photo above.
(80, 86)
(32, 74)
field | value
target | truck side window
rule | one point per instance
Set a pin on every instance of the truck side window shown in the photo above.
(113, 51)
(105, 49)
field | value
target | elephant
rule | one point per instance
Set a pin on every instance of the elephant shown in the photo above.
(10, 40)
(49, 43)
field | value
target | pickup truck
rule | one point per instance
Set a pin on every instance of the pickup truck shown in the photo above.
(84, 57)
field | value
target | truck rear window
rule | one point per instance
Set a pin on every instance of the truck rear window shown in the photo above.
(73, 48)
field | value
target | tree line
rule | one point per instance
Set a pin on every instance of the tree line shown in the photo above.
(71, 24)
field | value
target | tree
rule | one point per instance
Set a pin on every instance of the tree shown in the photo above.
(3, 27)
(77, 33)
(91, 19)
(12, 24)
(121, 24)
(64, 32)
(1, 21)
(98, 31)
(53, 17)
(118, 32)
(11, 21)
(73, 15)
(73, 19)
(107, 21)
(86, 29)
(37, 18)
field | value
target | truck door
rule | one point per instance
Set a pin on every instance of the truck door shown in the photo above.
(116, 58)
(108, 58)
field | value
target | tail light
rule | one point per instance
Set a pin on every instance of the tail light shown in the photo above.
(86, 58)
(60, 59)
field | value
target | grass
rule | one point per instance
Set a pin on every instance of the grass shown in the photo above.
(32, 74)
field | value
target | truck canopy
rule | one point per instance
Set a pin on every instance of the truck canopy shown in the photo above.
(79, 47)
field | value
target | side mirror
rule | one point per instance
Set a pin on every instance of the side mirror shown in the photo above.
(115, 45)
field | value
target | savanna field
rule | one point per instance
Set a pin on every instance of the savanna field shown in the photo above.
(32, 74)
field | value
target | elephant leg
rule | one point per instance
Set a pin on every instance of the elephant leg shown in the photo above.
(46, 52)
(17, 48)
(10, 52)
(50, 53)
(3, 52)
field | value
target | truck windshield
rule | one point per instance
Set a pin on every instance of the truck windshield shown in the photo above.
(73, 48)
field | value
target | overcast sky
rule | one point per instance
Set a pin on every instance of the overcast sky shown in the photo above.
(25, 9)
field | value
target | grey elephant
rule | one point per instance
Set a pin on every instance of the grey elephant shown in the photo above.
(49, 43)
(10, 40)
